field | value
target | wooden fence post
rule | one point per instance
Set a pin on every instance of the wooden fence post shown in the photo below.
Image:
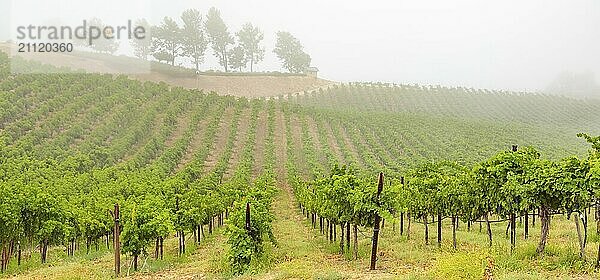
(248, 216)
(402, 213)
(117, 241)
(376, 226)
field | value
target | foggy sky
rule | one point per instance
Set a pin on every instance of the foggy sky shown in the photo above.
(508, 44)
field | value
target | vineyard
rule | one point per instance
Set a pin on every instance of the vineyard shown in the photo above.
(202, 185)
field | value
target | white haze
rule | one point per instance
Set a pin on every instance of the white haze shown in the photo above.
(507, 44)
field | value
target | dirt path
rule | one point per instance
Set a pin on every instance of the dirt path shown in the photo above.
(220, 143)
(301, 253)
(136, 148)
(89, 129)
(350, 146)
(259, 146)
(333, 144)
(314, 135)
(296, 129)
(181, 126)
(376, 145)
(194, 145)
(280, 146)
(239, 143)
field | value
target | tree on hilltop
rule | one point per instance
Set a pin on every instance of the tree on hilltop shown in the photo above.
(218, 36)
(249, 38)
(291, 53)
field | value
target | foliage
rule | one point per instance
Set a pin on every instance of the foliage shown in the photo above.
(247, 243)
(291, 53)
(192, 36)
(142, 48)
(166, 41)
(218, 36)
(249, 38)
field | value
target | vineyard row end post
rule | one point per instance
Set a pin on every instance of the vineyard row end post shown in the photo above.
(376, 226)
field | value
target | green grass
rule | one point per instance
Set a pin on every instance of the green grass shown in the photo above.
(303, 253)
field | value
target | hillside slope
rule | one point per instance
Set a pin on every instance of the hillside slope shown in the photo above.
(73, 145)
(252, 85)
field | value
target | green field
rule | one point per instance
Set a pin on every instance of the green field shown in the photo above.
(181, 161)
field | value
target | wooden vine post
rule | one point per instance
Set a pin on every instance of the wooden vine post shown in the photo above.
(376, 226)
(248, 216)
(513, 218)
(402, 213)
(117, 242)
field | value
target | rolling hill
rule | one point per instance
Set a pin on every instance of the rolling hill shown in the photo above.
(75, 144)
(237, 84)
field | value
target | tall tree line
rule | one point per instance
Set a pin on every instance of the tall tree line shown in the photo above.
(234, 51)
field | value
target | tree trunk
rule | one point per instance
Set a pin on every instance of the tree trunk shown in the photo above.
(598, 257)
(348, 236)
(401, 223)
(454, 232)
(88, 243)
(426, 230)
(513, 231)
(342, 238)
(334, 231)
(183, 241)
(156, 248)
(135, 262)
(161, 247)
(526, 224)
(321, 225)
(355, 255)
(439, 230)
(408, 226)
(19, 254)
(330, 226)
(579, 236)
(489, 228)
(585, 226)
(198, 234)
(2, 259)
(44, 250)
(597, 216)
(225, 62)
(545, 228)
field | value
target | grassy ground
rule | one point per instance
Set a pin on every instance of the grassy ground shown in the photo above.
(303, 253)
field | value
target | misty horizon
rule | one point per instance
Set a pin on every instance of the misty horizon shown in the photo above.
(499, 45)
